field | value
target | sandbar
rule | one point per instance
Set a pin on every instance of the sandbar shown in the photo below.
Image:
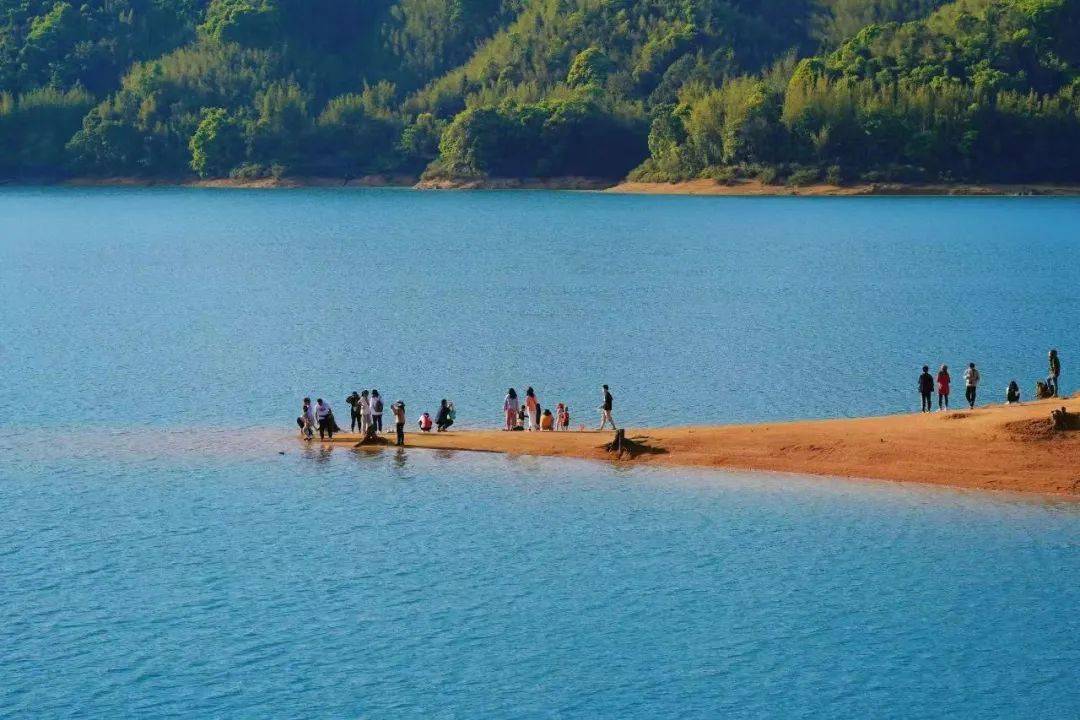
(999, 447)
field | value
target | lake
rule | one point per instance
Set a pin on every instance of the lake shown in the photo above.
(159, 557)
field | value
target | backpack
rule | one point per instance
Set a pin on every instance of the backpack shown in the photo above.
(378, 406)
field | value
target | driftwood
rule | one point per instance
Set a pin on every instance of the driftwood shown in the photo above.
(623, 445)
(1064, 420)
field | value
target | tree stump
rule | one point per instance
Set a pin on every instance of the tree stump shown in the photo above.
(617, 445)
(372, 438)
(623, 445)
(1064, 420)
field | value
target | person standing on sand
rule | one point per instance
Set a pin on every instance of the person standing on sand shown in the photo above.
(510, 409)
(943, 381)
(532, 405)
(325, 416)
(354, 415)
(606, 408)
(376, 410)
(971, 384)
(363, 406)
(1055, 372)
(398, 409)
(926, 388)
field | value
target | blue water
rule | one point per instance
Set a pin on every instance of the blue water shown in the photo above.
(170, 307)
(194, 571)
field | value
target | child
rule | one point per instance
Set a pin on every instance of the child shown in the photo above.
(547, 421)
(425, 422)
(564, 418)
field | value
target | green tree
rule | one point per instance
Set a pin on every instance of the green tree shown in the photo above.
(590, 67)
(255, 23)
(420, 140)
(217, 145)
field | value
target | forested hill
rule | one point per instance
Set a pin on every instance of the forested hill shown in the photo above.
(781, 90)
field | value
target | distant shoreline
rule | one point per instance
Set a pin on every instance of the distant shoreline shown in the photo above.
(996, 447)
(755, 188)
(700, 187)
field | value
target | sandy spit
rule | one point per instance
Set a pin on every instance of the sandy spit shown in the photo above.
(999, 447)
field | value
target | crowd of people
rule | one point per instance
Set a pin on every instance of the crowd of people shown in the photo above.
(366, 410)
(529, 415)
(942, 383)
(366, 417)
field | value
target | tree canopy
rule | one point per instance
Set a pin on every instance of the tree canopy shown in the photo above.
(792, 90)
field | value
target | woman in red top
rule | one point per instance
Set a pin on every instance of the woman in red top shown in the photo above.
(943, 381)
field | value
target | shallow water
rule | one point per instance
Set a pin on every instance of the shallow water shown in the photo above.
(159, 557)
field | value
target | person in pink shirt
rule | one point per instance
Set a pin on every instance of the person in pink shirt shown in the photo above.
(532, 405)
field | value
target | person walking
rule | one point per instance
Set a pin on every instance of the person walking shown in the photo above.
(971, 384)
(354, 414)
(926, 389)
(1055, 373)
(325, 417)
(532, 405)
(510, 409)
(606, 408)
(398, 409)
(943, 382)
(376, 410)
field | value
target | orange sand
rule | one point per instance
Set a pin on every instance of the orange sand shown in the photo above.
(994, 448)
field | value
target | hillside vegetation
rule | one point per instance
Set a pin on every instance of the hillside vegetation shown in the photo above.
(781, 90)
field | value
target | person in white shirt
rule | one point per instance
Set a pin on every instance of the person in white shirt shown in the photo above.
(364, 405)
(510, 409)
(971, 384)
(325, 416)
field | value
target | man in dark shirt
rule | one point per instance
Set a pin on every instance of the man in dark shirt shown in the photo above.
(926, 388)
(1055, 371)
(605, 410)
